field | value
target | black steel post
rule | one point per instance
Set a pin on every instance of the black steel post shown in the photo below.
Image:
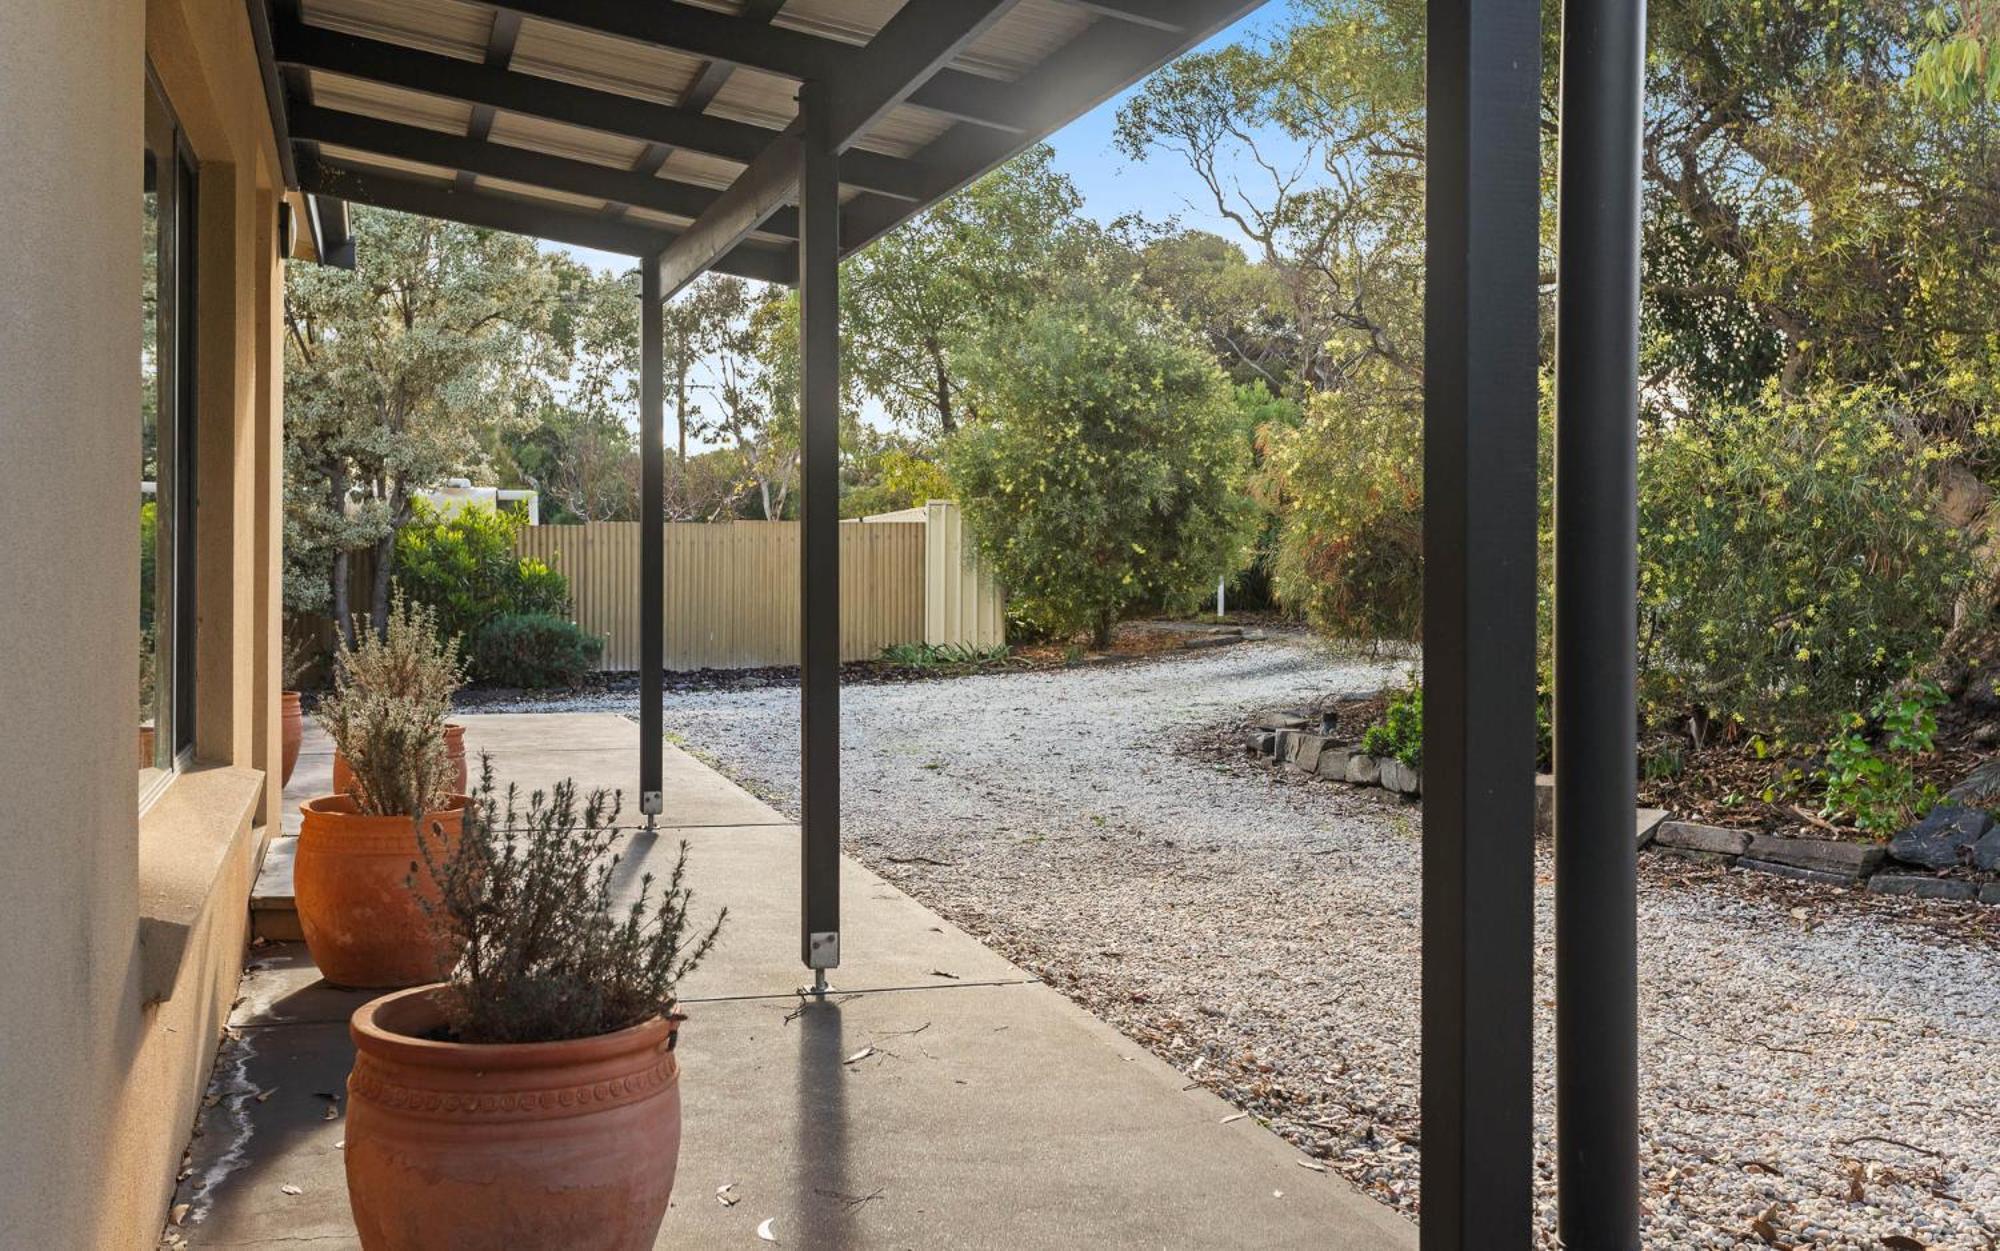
(652, 536)
(819, 535)
(1480, 311)
(1596, 538)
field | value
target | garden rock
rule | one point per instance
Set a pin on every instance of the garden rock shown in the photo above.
(1980, 789)
(1796, 872)
(1281, 721)
(1400, 777)
(1364, 770)
(1986, 852)
(1259, 742)
(1990, 893)
(1333, 763)
(1306, 753)
(1848, 860)
(1288, 741)
(1708, 840)
(1940, 839)
(1918, 886)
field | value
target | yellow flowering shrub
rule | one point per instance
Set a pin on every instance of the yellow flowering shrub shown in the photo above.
(1792, 565)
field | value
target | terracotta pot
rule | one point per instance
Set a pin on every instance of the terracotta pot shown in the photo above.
(292, 730)
(463, 1147)
(454, 750)
(358, 882)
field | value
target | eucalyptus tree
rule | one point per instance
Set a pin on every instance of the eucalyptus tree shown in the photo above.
(396, 375)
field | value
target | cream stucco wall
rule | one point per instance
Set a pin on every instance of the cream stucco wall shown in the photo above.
(121, 933)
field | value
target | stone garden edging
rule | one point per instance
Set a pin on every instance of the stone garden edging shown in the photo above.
(1907, 865)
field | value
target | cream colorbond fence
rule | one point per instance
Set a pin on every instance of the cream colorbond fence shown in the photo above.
(732, 588)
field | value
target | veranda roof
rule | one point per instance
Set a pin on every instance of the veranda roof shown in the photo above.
(670, 127)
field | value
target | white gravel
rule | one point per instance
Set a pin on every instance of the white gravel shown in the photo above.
(1818, 1068)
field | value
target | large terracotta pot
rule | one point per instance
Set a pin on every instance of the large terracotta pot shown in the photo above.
(462, 1147)
(292, 730)
(454, 750)
(359, 896)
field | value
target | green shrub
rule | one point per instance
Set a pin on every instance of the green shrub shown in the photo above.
(1875, 784)
(535, 650)
(1791, 565)
(943, 655)
(1400, 732)
(464, 566)
(1347, 483)
(1103, 474)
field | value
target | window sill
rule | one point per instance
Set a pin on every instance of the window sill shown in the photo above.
(186, 839)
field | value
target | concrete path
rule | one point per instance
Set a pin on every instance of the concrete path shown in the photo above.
(987, 1111)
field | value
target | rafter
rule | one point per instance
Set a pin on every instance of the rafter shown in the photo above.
(311, 47)
(470, 157)
(904, 54)
(520, 216)
(742, 40)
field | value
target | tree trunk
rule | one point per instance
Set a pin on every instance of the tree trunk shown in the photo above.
(378, 606)
(1100, 634)
(343, 609)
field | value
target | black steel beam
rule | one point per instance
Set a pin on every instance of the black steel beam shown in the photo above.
(498, 160)
(311, 47)
(496, 212)
(709, 80)
(1103, 60)
(1483, 201)
(744, 40)
(819, 530)
(1596, 631)
(755, 197)
(500, 40)
(911, 46)
(274, 90)
(652, 536)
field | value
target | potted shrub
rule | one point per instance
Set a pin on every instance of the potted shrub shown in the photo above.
(533, 1098)
(291, 713)
(358, 886)
(413, 659)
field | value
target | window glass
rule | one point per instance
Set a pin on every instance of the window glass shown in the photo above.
(166, 409)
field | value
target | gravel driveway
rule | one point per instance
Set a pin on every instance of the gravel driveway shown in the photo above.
(1817, 1069)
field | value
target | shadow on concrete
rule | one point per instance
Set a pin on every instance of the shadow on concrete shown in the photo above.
(823, 1204)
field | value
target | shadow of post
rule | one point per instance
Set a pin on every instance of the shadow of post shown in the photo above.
(822, 1206)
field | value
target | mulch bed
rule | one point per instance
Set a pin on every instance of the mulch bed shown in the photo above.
(1725, 783)
(1130, 641)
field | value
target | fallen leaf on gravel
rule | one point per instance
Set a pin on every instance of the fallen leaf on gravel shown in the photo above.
(764, 1230)
(178, 1214)
(941, 973)
(1314, 1165)
(1903, 1242)
(859, 1056)
(1856, 1192)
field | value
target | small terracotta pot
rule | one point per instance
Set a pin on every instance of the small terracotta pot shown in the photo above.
(464, 1147)
(358, 882)
(292, 731)
(454, 750)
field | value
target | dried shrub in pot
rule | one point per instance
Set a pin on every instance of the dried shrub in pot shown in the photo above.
(548, 954)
